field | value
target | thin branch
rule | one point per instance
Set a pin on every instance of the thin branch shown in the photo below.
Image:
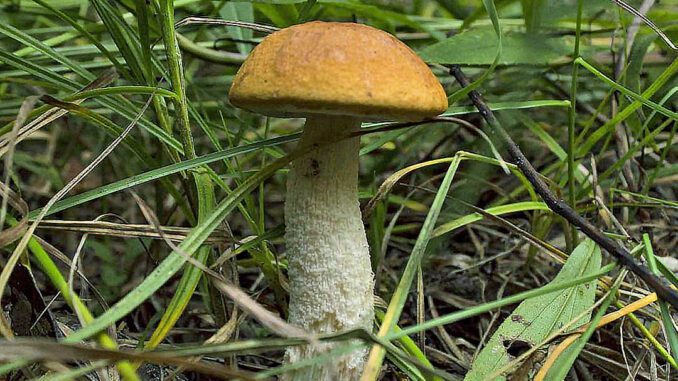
(559, 206)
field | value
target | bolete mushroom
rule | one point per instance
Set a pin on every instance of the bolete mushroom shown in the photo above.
(335, 75)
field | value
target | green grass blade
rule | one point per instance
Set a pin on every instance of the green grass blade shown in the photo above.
(667, 318)
(174, 262)
(603, 131)
(85, 33)
(399, 296)
(470, 312)
(118, 104)
(160, 173)
(497, 211)
(27, 40)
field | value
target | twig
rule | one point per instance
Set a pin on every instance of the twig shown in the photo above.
(559, 206)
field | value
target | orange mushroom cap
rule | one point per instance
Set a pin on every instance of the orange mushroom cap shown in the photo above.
(338, 69)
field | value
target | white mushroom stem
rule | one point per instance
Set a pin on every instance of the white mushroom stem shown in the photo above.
(331, 280)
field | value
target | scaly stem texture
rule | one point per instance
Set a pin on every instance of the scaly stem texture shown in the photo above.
(331, 280)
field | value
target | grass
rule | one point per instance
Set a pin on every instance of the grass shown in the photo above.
(458, 236)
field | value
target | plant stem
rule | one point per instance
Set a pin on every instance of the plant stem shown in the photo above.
(572, 115)
(203, 184)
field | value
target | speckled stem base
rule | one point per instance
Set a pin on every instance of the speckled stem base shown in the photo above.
(331, 280)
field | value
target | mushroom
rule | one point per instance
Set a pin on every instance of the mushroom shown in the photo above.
(335, 75)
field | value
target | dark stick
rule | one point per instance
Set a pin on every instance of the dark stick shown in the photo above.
(559, 206)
